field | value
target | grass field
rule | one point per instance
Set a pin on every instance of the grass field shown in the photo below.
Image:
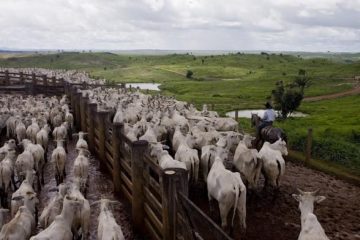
(239, 81)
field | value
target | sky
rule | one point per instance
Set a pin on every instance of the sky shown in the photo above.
(274, 25)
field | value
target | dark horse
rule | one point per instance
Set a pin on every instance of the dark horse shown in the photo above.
(269, 133)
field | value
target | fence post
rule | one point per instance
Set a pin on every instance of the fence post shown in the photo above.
(308, 146)
(212, 107)
(53, 81)
(83, 103)
(137, 167)
(77, 109)
(92, 107)
(72, 100)
(45, 80)
(174, 180)
(33, 83)
(236, 115)
(118, 128)
(45, 83)
(21, 76)
(7, 78)
(102, 128)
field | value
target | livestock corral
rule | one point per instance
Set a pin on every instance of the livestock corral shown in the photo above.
(103, 162)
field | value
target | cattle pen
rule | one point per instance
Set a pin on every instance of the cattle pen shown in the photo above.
(161, 203)
(160, 206)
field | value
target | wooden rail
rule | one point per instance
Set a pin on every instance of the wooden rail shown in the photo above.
(30, 83)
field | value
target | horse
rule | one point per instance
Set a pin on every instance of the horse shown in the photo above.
(269, 133)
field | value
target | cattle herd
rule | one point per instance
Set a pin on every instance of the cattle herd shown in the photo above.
(210, 147)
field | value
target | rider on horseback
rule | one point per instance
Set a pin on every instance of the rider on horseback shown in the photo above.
(268, 119)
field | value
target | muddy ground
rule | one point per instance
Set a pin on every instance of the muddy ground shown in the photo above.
(270, 218)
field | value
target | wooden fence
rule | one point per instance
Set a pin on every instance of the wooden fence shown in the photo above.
(30, 83)
(159, 199)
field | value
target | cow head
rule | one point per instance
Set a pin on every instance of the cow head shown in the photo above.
(307, 199)
(280, 145)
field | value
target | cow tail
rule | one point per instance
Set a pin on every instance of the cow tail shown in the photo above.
(237, 193)
(279, 174)
(208, 167)
(2, 185)
(193, 169)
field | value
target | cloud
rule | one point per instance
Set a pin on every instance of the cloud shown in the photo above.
(181, 24)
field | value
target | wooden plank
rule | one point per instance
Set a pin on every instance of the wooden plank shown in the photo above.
(108, 165)
(125, 153)
(203, 224)
(126, 193)
(126, 180)
(151, 230)
(155, 203)
(152, 164)
(108, 147)
(126, 139)
(96, 141)
(96, 131)
(125, 166)
(153, 218)
(155, 185)
(110, 160)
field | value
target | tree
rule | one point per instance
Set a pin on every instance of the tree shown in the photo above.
(189, 74)
(302, 80)
(288, 98)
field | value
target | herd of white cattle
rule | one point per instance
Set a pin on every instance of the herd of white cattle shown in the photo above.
(180, 136)
(67, 214)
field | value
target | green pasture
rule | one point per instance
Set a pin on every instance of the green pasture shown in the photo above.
(239, 81)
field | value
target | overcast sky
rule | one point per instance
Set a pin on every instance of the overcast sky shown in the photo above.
(279, 25)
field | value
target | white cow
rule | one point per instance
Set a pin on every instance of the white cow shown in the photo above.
(208, 155)
(9, 145)
(188, 156)
(108, 229)
(81, 143)
(229, 140)
(273, 162)
(53, 207)
(311, 229)
(164, 159)
(248, 162)
(229, 190)
(32, 130)
(23, 224)
(60, 228)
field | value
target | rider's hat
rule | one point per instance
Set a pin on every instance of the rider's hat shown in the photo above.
(268, 105)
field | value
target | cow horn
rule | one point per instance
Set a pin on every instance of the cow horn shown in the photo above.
(300, 191)
(94, 203)
(315, 192)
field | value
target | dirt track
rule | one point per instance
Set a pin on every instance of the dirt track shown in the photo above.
(267, 219)
(354, 91)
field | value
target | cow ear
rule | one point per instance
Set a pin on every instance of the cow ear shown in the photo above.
(319, 199)
(297, 197)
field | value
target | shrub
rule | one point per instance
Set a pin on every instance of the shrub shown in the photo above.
(189, 74)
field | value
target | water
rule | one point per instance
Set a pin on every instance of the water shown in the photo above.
(144, 86)
(247, 113)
